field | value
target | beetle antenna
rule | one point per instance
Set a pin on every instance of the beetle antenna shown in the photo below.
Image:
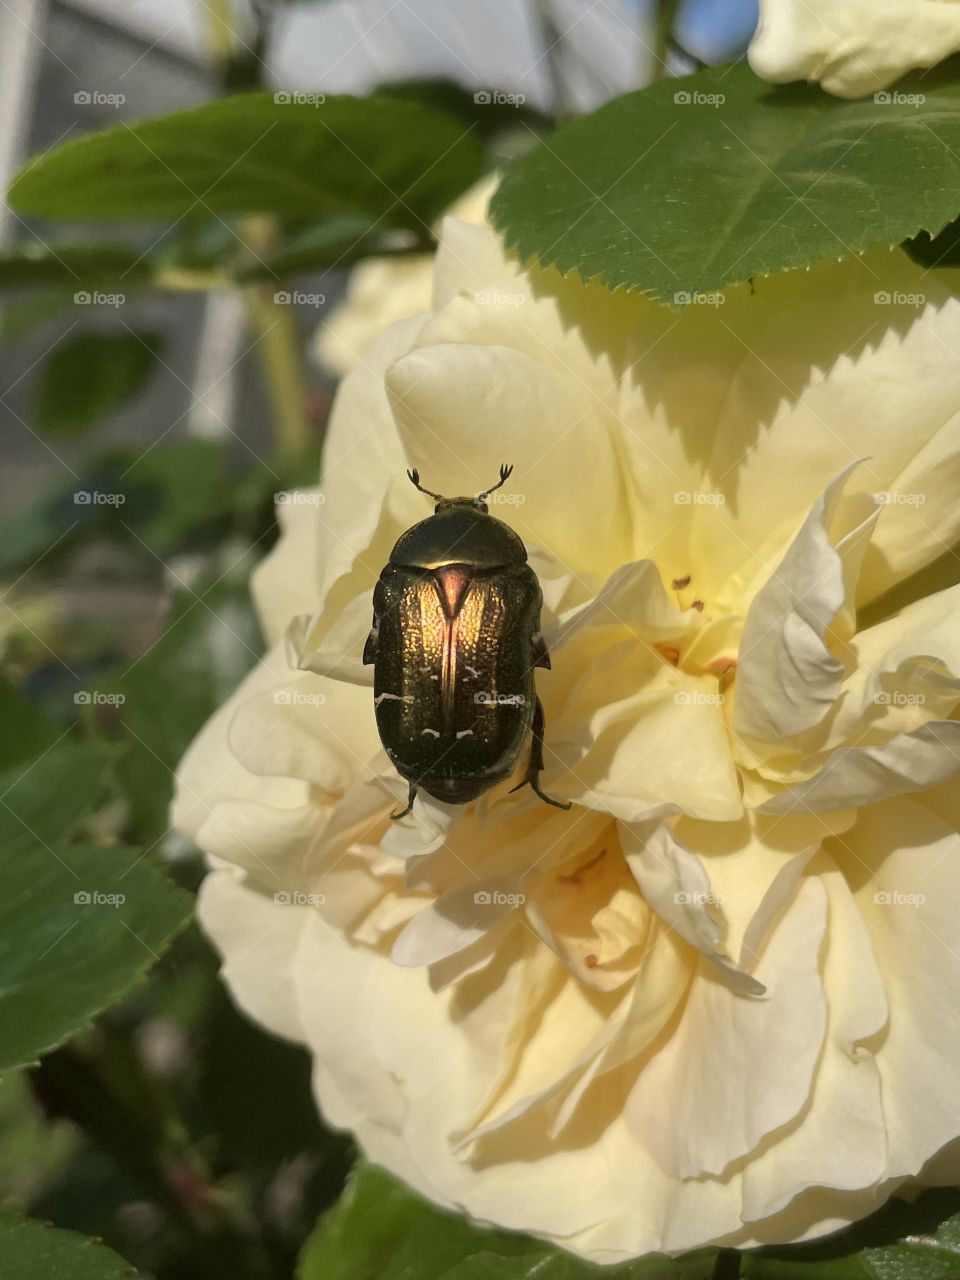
(505, 472)
(414, 476)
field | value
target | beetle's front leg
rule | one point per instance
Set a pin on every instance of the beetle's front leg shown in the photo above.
(370, 648)
(535, 767)
(541, 654)
(412, 795)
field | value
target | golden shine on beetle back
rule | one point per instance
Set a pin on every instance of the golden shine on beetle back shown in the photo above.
(454, 643)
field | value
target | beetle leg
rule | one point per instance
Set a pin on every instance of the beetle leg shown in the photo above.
(370, 648)
(410, 799)
(535, 767)
(541, 654)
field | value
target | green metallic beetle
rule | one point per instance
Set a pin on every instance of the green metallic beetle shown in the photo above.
(454, 642)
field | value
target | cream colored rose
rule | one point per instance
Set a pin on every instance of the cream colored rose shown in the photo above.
(855, 47)
(716, 999)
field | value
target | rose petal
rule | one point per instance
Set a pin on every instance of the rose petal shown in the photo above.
(677, 886)
(863, 775)
(696, 1119)
(903, 861)
(787, 676)
(486, 391)
(851, 49)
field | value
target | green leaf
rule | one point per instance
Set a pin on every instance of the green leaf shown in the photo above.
(210, 642)
(64, 957)
(33, 1152)
(696, 183)
(73, 266)
(381, 1230)
(902, 1241)
(31, 1251)
(25, 732)
(255, 154)
(490, 110)
(90, 375)
(175, 496)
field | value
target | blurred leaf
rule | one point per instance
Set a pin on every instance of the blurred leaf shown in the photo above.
(25, 732)
(919, 1240)
(490, 110)
(89, 375)
(74, 1086)
(37, 529)
(280, 1140)
(336, 242)
(256, 153)
(381, 1230)
(31, 1251)
(210, 642)
(65, 958)
(24, 315)
(178, 495)
(33, 1152)
(638, 199)
(236, 1060)
(73, 772)
(74, 266)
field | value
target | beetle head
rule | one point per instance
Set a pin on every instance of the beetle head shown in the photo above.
(479, 502)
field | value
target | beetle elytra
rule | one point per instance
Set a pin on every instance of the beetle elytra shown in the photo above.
(454, 643)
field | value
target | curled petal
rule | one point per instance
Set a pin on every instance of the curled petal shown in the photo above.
(787, 677)
(856, 776)
(676, 885)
